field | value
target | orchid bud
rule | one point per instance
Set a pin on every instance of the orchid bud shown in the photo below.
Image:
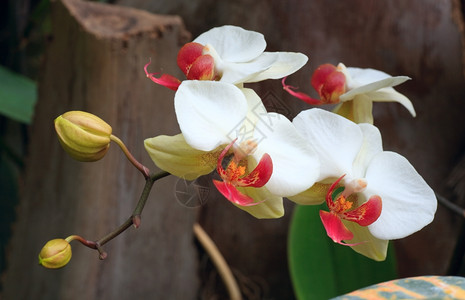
(84, 136)
(55, 254)
(329, 82)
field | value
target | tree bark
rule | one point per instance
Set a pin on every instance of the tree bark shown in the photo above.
(95, 63)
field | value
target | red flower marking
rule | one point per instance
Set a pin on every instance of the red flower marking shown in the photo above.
(192, 62)
(234, 176)
(165, 80)
(341, 208)
(327, 80)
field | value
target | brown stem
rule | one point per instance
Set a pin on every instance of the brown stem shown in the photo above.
(134, 219)
(450, 205)
(143, 169)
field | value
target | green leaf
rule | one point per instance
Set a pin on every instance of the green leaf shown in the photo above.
(422, 287)
(18, 96)
(320, 268)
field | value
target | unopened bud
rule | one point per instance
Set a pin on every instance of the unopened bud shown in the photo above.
(55, 254)
(84, 136)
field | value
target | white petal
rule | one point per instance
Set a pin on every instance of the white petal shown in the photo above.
(366, 76)
(234, 44)
(255, 111)
(372, 145)
(295, 165)
(391, 95)
(255, 105)
(241, 72)
(363, 88)
(285, 64)
(335, 139)
(209, 112)
(409, 203)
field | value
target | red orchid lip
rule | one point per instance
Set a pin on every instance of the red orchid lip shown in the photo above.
(165, 80)
(234, 176)
(341, 209)
(327, 80)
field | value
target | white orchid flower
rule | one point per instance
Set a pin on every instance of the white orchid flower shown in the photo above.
(355, 89)
(383, 197)
(270, 159)
(233, 55)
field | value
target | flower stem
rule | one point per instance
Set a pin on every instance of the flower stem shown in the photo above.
(219, 262)
(134, 219)
(143, 169)
(450, 205)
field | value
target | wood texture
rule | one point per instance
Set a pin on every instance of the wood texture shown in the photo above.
(95, 63)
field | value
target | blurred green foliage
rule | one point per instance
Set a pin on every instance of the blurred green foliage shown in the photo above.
(17, 96)
(322, 269)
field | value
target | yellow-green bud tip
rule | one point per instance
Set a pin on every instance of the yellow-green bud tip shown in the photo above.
(84, 136)
(55, 254)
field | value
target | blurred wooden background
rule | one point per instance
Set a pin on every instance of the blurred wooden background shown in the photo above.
(94, 62)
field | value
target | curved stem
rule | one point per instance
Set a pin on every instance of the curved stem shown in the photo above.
(450, 205)
(143, 169)
(145, 195)
(219, 262)
(134, 219)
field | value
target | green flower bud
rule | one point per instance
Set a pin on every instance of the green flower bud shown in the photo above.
(84, 136)
(55, 254)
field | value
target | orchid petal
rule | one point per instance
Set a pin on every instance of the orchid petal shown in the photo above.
(242, 72)
(371, 87)
(270, 207)
(409, 203)
(231, 193)
(187, 55)
(208, 112)
(345, 109)
(174, 155)
(365, 76)
(284, 64)
(300, 95)
(366, 243)
(335, 139)
(372, 145)
(362, 109)
(320, 76)
(165, 80)
(333, 87)
(335, 228)
(256, 109)
(365, 214)
(260, 175)
(234, 44)
(203, 68)
(312, 196)
(391, 95)
(295, 165)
